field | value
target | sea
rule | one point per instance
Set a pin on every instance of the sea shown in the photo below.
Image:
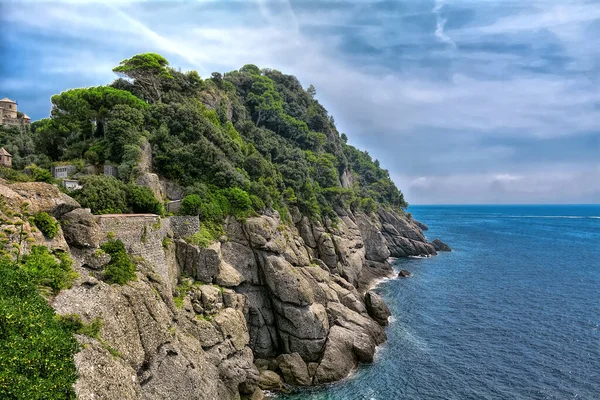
(513, 312)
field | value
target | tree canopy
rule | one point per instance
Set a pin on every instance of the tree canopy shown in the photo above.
(251, 138)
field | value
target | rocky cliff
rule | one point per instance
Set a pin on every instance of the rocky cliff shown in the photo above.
(269, 304)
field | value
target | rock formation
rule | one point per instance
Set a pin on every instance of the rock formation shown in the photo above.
(440, 246)
(270, 304)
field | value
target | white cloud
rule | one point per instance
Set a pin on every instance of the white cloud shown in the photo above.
(474, 95)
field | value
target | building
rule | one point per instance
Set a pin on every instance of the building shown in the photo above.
(71, 184)
(63, 171)
(5, 158)
(9, 116)
(110, 170)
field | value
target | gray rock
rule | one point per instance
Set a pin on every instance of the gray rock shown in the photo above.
(96, 259)
(375, 244)
(270, 380)
(81, 229)
(294, 369)
(404, 274)
(440, 246)
(421, 225)
(201, 264)
(377, 308)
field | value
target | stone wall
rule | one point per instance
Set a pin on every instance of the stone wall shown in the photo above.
(143, 236)
(184, 226)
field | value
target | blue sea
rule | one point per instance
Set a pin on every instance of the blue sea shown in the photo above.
(512, 313)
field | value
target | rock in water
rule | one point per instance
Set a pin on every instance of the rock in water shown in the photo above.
(404, 274)
(421, 225)
(377, 308)
(440, 246)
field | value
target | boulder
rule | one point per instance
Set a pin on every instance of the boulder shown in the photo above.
(81, 229)
(404, 274)
(377, 308)
(440, 246)
(96, 260)
(269, 380)
(421, 225)
(45, 197)
(201, 264)
(294, 369)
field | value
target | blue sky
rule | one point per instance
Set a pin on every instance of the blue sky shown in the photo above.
(464, 101)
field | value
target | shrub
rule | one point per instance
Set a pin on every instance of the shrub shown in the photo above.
(49, 269)
(141, 199)
(13, 176)
(208, 206)
(239, 201)
(36, 349)
(102, 194)
(74, 323)
(209, 232)
(46, 224)
(42, 175)
(121, 269)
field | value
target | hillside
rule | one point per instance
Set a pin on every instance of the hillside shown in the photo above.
(262, 279)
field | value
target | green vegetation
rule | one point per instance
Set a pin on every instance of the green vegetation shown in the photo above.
(121, 269)
(108, 195)
(49, 269)
(238, 143)
(36, 349)
(209, 232)
(46, 224)
(181, 290)
(76, 325)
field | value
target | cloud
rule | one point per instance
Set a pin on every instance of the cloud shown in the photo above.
(440, 23)
(456, 86)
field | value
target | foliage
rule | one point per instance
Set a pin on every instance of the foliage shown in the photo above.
(121, 269)
(238, 142)
(46, 224)
(76, 325)
(102, 194)
(140, 199)
(36, 349)
(108, 195)
(146, 70)
(49, 269)
(209, 232)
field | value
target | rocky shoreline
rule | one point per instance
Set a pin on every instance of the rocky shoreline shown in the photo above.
(269, 305)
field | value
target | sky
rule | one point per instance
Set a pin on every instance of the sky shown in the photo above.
(463, 101)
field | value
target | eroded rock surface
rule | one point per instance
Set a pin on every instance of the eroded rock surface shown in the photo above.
(294, 298)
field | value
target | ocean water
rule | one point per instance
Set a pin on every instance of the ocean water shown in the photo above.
(512, 313)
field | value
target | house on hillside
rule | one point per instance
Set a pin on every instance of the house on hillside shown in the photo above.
(5, 158)
(9, 116)
(63, 171)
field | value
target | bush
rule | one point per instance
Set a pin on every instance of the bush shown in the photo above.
(42, 175)
(46, 224)
(36, 349)
(209, 232)
(49, 269)
(13, 176)
(102, 194)
(141, 199)
(239, 201)
(210, 207)
(121, 269)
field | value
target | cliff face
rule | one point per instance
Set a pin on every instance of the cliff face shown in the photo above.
(269, 303)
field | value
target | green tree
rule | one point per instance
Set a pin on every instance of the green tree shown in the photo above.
(147, 70)
(102, 194)
(36, 348)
